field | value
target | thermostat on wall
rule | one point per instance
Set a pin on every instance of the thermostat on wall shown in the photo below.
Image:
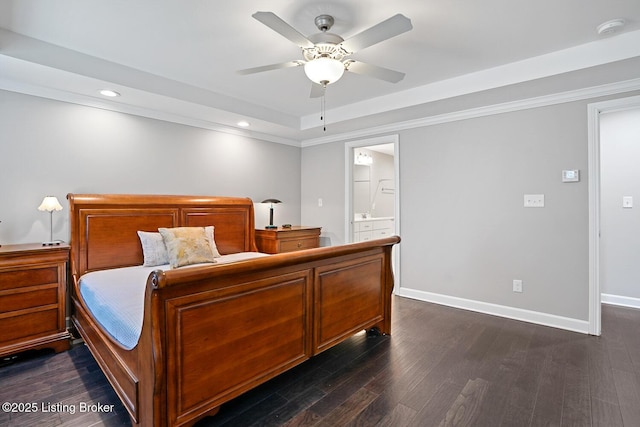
(571, 175)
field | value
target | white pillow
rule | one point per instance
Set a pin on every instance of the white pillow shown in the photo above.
(153, 249)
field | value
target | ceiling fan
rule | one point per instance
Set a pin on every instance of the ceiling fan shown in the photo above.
(326, 55)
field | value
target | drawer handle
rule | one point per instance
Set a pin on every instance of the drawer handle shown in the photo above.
(299, 244)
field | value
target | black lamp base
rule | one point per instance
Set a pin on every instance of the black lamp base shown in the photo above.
(271, 226)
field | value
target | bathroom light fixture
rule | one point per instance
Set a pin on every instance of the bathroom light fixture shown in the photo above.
(363, 159)
(50, 204)
(110, 93)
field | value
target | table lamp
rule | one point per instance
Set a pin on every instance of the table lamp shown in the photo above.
(50, 204)
(272, 201)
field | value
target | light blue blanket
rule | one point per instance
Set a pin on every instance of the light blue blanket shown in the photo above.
(115, 297)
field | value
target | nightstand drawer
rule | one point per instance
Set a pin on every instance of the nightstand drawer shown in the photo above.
(27, 298)
(298, 244)
(21, 277)
(29, 324)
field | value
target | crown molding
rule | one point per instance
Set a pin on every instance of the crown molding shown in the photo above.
(506, 107)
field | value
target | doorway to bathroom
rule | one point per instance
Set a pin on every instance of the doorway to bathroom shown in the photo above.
(372, 196)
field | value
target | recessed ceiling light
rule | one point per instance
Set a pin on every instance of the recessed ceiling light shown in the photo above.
(243, 123)
(610, 26)
(109, 92)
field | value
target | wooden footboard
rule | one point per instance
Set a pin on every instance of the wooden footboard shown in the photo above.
(348, 298)
(211, 333)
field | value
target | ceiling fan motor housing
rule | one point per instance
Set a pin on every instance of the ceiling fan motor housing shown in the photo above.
(324, 22)
(325, 45)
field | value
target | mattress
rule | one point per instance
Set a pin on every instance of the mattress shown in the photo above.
(115, 297)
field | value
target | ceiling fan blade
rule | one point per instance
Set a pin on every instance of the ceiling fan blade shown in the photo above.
(270, 67)
(317, 90)
(392, 27)
(374, 71)
(274, 22)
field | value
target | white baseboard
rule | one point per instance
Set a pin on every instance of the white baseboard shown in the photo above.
(536, 317)
(620, 300)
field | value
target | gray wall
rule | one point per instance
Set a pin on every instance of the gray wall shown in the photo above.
(54, 148)
(323, 178)
(465, 233)
(620, 227)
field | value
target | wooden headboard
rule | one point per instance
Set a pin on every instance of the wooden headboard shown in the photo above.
(104, 226)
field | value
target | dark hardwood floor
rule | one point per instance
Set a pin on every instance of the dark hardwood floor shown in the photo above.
(441, 367)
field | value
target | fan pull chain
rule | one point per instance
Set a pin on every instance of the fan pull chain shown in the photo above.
(323, 113)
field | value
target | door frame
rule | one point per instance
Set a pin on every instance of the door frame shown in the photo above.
(594, 111)
(349, 149)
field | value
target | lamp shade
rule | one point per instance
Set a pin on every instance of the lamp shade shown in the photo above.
(324, 70)
(50, 204)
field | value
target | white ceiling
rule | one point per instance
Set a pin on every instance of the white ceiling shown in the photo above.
(177, 59)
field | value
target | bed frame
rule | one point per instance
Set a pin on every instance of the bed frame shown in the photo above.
(213, 332)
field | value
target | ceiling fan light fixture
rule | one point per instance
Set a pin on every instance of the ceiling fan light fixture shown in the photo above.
(324, 70)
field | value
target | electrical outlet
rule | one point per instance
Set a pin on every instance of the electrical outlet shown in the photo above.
(517, 285)
(320, 202)
(534, 200)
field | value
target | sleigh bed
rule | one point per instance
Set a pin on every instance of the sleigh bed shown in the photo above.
(209, 332)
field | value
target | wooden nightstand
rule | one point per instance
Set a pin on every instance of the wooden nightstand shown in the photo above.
(33, 288)
(298, 237)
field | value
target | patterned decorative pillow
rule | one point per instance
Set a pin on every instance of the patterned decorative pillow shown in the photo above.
(187, 245)
(153, 249)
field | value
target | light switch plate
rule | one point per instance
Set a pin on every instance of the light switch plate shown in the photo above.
(627, 201)
(534, 200)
